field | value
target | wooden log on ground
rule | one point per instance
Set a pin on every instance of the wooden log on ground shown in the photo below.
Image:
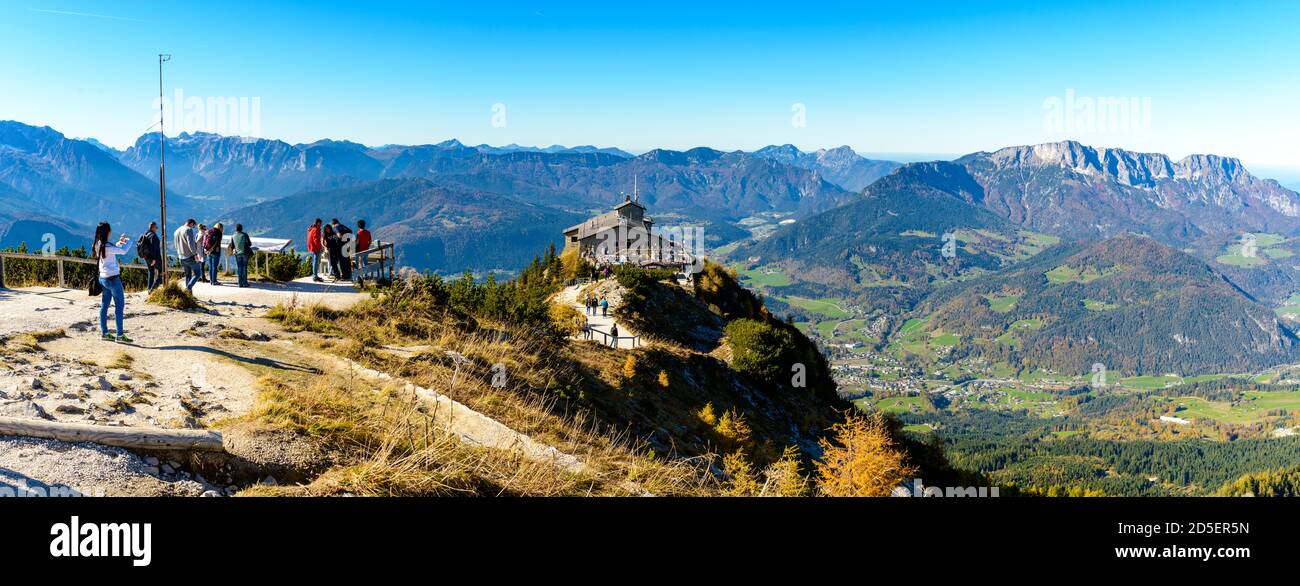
(122, 437)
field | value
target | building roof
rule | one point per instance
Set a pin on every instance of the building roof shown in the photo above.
(607, 220)
(627, 201)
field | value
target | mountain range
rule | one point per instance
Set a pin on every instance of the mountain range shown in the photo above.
(702, 182)
(80, 182)
(1127, 302)
(848, 222)
(73, 179)
(1073, 190)
(839, 165)
(436, 225)
(1065, 190)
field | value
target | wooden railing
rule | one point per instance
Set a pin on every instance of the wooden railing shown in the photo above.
(60, 260)
(371, 267)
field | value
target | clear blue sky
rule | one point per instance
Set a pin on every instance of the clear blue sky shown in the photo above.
(932, 77)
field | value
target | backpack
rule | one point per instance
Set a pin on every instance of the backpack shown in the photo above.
(207, 240)
(142, 248)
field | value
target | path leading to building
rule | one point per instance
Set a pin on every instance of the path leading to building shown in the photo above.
(600, 323)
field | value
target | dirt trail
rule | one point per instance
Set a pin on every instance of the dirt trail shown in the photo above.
(569, 296)
(181, 370)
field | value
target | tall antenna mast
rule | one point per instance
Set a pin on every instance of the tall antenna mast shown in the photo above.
(162, 167)
(635, 195)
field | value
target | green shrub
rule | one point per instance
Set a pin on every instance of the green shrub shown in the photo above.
(284, 267)
(638, 280)
(760, 349)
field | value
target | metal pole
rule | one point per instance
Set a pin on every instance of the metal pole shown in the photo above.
(162, 168)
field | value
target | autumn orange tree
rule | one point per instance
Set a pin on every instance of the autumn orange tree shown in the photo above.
(863, 459)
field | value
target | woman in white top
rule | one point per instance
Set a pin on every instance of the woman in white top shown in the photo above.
(110, 277)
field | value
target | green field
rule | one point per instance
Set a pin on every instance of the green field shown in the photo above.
(828, 307)
(728, 249)
(912, 338)
(902, 405)
(1094, 305)
(1290, 307)
(1264, 244)
(1002, 303)
(1252, 408)
(939, 338)
(1151, 382)
(766, 277)
(1237, 260)
(1066, 274)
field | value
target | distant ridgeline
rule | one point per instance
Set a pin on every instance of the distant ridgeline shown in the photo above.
(1128, 302)
(1135, 303)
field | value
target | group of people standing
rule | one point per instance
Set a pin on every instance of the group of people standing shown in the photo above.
(330, 242)
(199, 249)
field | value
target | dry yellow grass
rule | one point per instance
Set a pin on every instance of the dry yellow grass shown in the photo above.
(532, 378)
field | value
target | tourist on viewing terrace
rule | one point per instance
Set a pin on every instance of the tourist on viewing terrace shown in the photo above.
(241, 246)
(315, 245)
(187, 250)
(363, 242)
(203, 254)
(333, 248)
(110, 279)
(212, 251)
(149, 249)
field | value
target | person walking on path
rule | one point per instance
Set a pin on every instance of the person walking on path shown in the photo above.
(604, 307)
(110, 278)
(212, 250)
(149, 248)
(613, 335)
(187, 250)
(241, 246)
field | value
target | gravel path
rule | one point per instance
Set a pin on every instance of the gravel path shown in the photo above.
(569, 295)
(34, 467)
(184, 372)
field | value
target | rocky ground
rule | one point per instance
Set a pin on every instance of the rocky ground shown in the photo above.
(183, 370)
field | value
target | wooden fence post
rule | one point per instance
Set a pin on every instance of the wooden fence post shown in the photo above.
(61, 285)
(2, 272)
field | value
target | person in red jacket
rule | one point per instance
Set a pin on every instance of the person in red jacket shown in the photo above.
(363, 241)
(315, 248)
